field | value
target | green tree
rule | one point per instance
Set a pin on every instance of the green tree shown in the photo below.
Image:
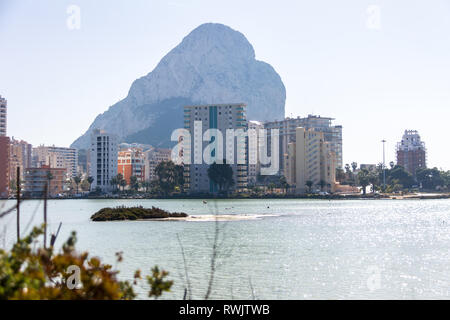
(363, 180)
(123, 184)
(322, 184)
(146, 185)
(30, 272)
(347, 168)
(221, 175)
(399, 173)
(49, 179)
(13, 185)
(90, 180)
(309, 184)
(114, 182)
(446, 178)
(134, 184)
(283, 184)
(169, 176)
(77, 180)
(374, 180)
(430, 178)
(120, 181)
(340, 175)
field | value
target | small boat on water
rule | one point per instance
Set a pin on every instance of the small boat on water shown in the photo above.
(205, 202)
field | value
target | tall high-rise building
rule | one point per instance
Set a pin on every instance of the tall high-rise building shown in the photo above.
(254, 167)
(287, 133)
(57, 157)
(3, 115)
(197, 120)
(411, 152)
(131, 163)
(103, 156)
(311, 161)
(20, 156)
(4, 166)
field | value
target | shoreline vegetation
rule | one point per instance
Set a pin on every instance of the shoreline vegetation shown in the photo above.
(134, 213)
(369, 196)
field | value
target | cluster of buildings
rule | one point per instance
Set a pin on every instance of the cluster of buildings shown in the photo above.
(306, 151)
(106, 158)
(52, 168)
(300, 149)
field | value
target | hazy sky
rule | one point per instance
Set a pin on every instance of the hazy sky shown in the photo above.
(378, 67)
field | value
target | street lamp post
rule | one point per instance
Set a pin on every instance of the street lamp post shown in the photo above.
(384, 165)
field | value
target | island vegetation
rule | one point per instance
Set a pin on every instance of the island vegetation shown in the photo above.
(134, 213)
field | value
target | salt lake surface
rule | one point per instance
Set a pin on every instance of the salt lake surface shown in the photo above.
(273, 249)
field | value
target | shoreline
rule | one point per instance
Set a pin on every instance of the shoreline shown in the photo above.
(419, 196)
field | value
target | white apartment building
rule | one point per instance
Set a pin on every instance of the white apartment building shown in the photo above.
(104, 159)
(221, 117)
(57, 157)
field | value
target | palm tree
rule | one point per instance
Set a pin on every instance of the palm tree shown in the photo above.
(373, 180)
(347, 168)
(49, 178)
(169, 175)
(146, 185)
(322, 184)
(120, 180)
(221, 175)
(77, 181)
(114, 182)
(123, 184)
(309, 184)
(363, 180)
(134, 184)
(284, 184)
(354, 166)
(90, 180)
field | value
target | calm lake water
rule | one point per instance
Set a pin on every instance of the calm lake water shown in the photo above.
(293, 249)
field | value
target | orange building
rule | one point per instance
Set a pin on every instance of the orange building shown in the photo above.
(4, 166)
(131, 163)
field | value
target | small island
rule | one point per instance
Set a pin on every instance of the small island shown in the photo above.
(134, 213)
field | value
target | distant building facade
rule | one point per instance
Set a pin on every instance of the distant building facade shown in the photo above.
(4, 166)
(254, 166)
(3, 116)
(131, 163)
(36, 179)
(57, 157)
(311, 158)
(153, 157)
(287, 134)
(103, 156)
(20, 156)
(221, 117)
(411, 152)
